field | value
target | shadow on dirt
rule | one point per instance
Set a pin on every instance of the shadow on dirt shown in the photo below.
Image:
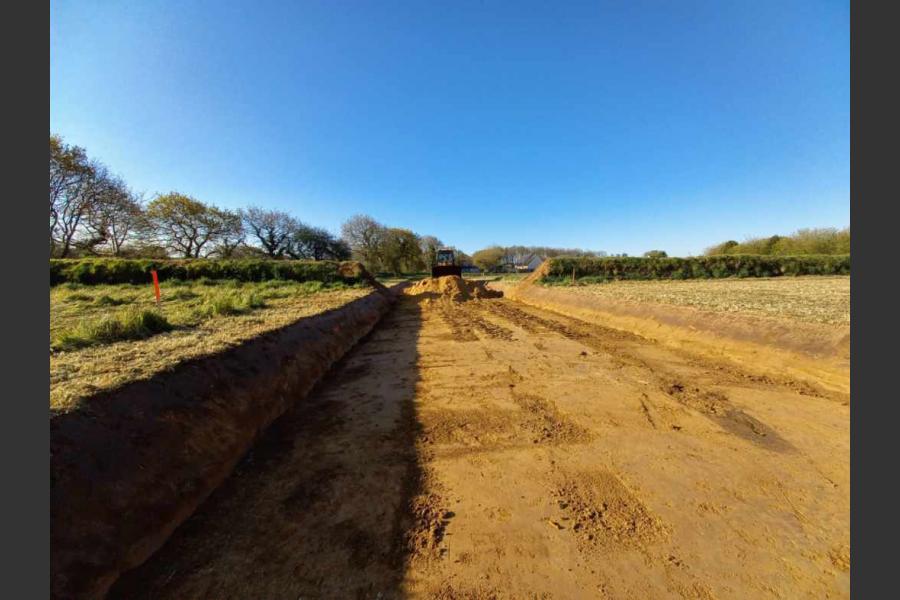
(323, 505)
(716, 407)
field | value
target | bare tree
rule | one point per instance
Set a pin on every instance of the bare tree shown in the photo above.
(232, 235)
(116, 215)
(429, 246)
(271, 228)
(365, 236)
(71, 179)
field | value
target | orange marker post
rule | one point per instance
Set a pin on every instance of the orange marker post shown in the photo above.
(155, 285)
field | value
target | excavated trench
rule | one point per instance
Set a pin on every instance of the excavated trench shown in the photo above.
(130, 465)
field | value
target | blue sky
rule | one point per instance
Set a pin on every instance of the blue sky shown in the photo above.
(617, 126)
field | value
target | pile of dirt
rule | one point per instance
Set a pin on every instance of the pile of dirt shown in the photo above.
(351, 269)
(537, 275)
(453, 288)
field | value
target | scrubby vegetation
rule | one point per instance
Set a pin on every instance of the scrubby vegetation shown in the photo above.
(591, 270)
(230, 303)
(94, 271)
(825, 241)
(83, 315)
(104, 335)
(131, 324)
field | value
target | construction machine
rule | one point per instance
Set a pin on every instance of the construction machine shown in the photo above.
(445, 264)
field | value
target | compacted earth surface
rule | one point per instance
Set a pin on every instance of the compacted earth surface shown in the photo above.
(475, 447)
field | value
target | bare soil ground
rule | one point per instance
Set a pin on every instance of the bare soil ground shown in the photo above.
(487, 449)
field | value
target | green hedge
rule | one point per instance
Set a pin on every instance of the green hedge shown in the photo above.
(706, 267)
(113, 270)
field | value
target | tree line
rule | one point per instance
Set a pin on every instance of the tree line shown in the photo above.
(497, 258)
(828, 241)
(95, 213)
(392, 249)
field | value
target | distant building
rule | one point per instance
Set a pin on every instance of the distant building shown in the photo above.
(522, 263)
(533, 262)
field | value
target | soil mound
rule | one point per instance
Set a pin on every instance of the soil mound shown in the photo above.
(453, 288)
(538, 274)
(351, 269)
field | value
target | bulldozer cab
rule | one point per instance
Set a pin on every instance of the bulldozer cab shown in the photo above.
(445, 264)
(444, 257)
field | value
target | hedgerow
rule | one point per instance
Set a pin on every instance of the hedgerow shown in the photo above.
(91, 271)
(590, 269)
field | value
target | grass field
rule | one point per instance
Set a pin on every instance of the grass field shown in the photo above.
(102, 336)
(807, 299)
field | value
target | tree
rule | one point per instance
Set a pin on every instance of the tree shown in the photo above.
(271, 228)
(312, 242)
(340, 250)
(144, 248)
(366, 237)
(429, 246)
(400, 251)
(655, 254)
(115, 217)
(71, 193)
(232, 235)
(826, 240)
(723, 248)
(490, 258)
(184, 225)
(248, 252)
(461, 258)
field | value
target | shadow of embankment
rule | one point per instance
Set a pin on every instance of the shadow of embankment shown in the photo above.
(322, 506)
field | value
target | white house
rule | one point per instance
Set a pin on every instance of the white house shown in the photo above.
(526, 264)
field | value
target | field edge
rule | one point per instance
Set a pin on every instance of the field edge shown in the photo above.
(809, 352)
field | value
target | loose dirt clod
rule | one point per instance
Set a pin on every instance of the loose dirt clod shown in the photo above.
(453, 288)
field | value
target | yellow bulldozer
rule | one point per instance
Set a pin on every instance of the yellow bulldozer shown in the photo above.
(445, 264)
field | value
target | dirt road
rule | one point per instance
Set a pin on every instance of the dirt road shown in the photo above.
(487, 449)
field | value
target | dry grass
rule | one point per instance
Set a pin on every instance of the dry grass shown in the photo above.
(205, 317)
(807, 299)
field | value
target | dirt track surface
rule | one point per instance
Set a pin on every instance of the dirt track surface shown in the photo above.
(486, 449)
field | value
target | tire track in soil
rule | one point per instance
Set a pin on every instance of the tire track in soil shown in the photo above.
(614, 344)
(445, 458)
(604, 518)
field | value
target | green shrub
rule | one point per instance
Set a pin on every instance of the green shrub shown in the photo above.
(229, 303)
(130, 324)
(594, 270)
(91, 271)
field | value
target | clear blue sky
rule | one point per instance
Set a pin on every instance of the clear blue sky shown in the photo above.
(618, 126)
